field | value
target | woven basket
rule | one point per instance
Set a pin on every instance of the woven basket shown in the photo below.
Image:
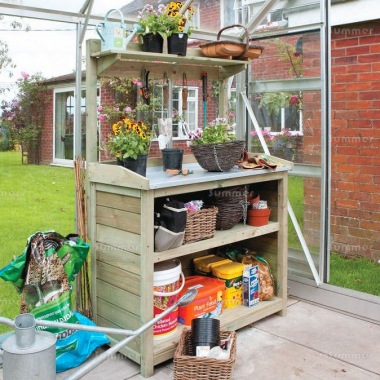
(187, 367)
(200, 225)
(218, 157)
(232, 206)
(229, 49)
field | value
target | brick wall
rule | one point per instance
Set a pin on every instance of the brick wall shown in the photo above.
(47, 137)
(355, 165)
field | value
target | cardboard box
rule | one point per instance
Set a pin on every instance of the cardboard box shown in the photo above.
(250, 285)
(207, 303)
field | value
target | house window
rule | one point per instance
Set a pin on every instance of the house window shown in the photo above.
(185, 120)
(64, 115)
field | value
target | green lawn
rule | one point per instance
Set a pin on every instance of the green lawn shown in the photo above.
(33, 198)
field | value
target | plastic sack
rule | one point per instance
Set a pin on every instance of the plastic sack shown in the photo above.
(42, 275)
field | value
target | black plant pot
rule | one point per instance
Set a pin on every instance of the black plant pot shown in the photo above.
(138, 166)
(172, 158)
(153, 43)
(177, 44)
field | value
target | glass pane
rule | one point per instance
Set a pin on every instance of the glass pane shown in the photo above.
(355, 157)
(64, 125)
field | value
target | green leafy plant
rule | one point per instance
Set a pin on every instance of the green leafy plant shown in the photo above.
(25, 115)
(154, 21)
(129, 139)
(179, 23)
(218, 131)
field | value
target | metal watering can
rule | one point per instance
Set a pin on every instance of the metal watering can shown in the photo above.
(112, 34)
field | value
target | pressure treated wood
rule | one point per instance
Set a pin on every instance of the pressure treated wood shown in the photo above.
(124, 254)
(121, 208)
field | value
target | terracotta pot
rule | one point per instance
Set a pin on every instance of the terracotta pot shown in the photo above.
(258, 217)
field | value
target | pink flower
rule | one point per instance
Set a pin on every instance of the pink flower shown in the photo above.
(24, 75)
(128, 109)
(231, 115)
(99, 108)
(15, 104)
(102, 117)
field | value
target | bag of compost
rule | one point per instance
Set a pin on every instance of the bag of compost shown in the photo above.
(42, 275)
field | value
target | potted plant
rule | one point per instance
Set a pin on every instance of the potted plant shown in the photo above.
(180, 27)
(216, 147)
(155, 25)
(130, 143)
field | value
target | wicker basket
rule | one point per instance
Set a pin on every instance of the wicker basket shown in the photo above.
(229, 49)
(218, 157)
(188, 367)
(200, 225)
(232, 206)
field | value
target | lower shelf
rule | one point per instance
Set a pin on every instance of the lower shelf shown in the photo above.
(231, 319)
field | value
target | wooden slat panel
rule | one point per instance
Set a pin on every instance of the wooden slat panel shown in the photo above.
(118, 201)
(134, 345)
(119, 258)
(118, 297)
(123, 220)
(118, 316)
(114, 237)
(119, 277)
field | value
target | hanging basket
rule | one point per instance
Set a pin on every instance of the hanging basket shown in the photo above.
(218, 157)
(230, 49)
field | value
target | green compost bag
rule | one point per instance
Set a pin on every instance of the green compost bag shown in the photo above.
(42, 275)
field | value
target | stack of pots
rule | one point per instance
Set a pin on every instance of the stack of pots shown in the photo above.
(205, 334)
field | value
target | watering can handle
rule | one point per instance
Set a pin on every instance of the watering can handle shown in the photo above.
(97, 31)
(103, 24)
(114, 10)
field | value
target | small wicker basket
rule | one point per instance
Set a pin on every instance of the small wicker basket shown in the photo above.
(188, 367)
(218, 157)
(200, 225)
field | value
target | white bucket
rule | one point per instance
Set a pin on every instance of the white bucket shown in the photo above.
(166, 289)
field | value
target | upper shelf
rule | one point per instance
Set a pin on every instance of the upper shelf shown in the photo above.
(134, 60)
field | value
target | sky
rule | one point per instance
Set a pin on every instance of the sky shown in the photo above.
(49, 48)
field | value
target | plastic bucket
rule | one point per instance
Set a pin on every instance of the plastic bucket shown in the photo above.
(168, 281)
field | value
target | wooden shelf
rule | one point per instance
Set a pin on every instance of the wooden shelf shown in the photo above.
(134, 60)
(237, 233)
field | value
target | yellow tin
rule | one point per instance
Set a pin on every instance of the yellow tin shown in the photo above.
(203, 265)
(232, 274)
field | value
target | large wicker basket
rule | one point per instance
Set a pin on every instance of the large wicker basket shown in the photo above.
(188, 367)
(218, 157)
(200, 225)
(232, 206)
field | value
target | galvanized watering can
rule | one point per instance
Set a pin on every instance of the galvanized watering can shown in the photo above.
(112, 34)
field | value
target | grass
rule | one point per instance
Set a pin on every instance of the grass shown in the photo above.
(360, 274)
(33, 198)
